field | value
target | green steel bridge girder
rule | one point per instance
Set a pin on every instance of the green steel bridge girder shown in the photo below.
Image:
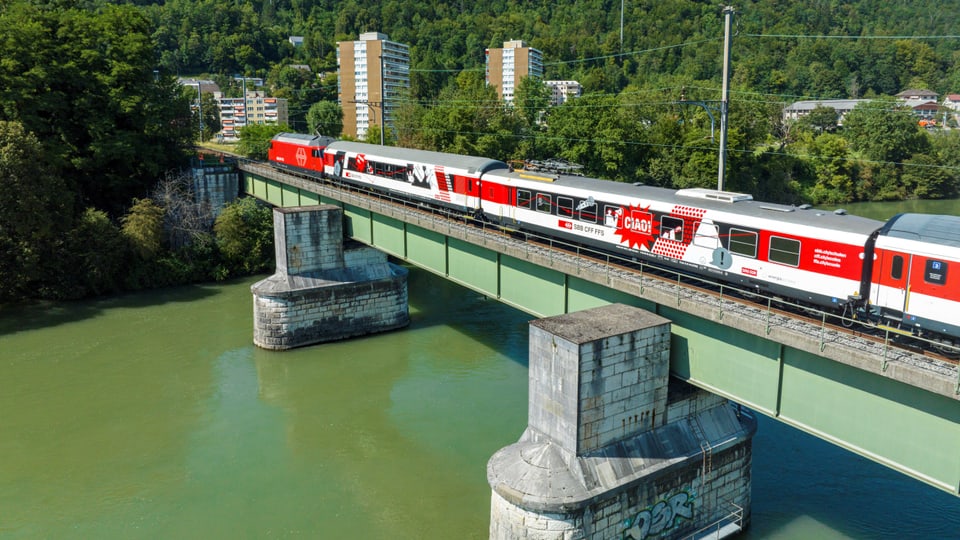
(903, 426)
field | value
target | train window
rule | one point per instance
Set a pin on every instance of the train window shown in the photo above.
(742, 242)
(564, 206)
(672, 228)
(589, 213)
(935, 272)
(523, 198)
(784, 250)
(611, 215)
(896, 267)
(544, 203)
(707, 236)
(316, 152)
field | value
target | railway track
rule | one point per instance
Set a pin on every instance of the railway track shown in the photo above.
(776, 308)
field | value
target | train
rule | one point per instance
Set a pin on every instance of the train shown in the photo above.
(902, 275)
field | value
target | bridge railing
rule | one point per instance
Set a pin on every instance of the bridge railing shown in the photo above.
(772, 310)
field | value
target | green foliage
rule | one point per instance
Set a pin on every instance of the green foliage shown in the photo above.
(34, 211)
(325, 118)
(255, 139)
(884, 130)
(90, 260)
(820, 119)
(530, 99)
(143, 228)
(83, 82)
(244, 233)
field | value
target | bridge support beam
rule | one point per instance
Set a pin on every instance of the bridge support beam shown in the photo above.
(323, 289)
(613, 447)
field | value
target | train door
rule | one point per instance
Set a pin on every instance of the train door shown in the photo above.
(891, 281)
(338, 164)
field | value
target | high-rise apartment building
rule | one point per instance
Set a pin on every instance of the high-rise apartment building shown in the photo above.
(373, 71)
(506, 66)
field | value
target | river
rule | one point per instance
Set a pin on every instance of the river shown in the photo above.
(153, 416)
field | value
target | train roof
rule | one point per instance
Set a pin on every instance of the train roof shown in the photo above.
(931, 228)
(303, 139)
(711, 199)
(470, 163)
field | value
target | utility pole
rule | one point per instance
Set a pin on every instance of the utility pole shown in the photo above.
(383, 99)
(200, 108)
(621, 25)
(725, 97)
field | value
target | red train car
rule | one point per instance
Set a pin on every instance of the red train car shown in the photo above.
(299, 151)
(915, 286)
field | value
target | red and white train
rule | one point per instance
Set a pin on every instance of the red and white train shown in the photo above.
(903, 274)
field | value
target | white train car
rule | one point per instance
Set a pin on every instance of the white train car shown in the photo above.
(434, 177)
(813, 256)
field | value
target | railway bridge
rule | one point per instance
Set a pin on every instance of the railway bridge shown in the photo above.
(893, 406)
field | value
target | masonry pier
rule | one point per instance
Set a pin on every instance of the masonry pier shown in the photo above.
(324, 289)
(615, 449)
(216, 182)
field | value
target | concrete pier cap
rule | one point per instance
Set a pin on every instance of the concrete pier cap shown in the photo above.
(613, 448)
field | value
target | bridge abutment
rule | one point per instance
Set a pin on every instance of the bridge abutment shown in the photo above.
(216, 182)
(613, 448)
(323, 289)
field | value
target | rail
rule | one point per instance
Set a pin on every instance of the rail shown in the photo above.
(589, 260)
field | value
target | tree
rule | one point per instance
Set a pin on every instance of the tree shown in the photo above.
(885, 131)
(831, 162)
(255, 139)
(530, 99)
(325, 118)
(186, 221)
(143, 227)
(820, 119)
(244, 232)
(34, 211)
(83, 81)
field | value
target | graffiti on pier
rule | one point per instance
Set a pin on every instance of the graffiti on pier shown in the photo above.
(659, 518)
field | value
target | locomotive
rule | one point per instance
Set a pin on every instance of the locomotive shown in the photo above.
(902, 275)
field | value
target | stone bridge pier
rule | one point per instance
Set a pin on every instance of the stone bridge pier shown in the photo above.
(324, 289)
(615, 449)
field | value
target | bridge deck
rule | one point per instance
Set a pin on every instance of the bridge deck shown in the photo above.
(890, 405)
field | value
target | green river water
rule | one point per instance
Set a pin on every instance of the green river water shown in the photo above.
(153, 416)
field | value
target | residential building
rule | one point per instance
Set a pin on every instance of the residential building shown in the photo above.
(373, 73)
(563, 91)
(205, 86)
(257, 108)
(915, 94)
(799, 109)
(952, 102)
(506, 66)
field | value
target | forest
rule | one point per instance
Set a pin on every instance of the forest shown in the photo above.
(650, 85)
(94, 128)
